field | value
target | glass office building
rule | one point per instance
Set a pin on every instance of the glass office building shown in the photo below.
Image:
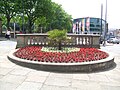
(88, 25)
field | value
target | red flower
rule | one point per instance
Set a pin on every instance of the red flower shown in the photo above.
(83, 55)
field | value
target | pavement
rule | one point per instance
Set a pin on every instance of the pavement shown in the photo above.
(5, 39)
(15, 77)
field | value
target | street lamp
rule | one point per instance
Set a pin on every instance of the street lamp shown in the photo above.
(23, 17)
(101, 19)
(105, 25)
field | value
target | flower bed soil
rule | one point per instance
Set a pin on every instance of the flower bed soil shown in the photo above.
(34, 53)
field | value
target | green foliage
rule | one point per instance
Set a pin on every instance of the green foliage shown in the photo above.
(34, 10)
(4, 20)
(56, 37)
(4, 28)
(8, 8)
(59, 19)
(35, 13)
(40, 23)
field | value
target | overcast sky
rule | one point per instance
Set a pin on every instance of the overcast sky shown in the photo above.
(92, 8)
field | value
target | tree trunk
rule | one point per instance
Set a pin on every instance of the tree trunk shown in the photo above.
(8, 22)
(30, 26)
(60, 46)
(0, 26)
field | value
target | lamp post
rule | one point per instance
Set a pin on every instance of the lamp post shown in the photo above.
(101, 37)
(0, 24)
(23, 17)
(101, 19)
(105, 25)
(14, 29)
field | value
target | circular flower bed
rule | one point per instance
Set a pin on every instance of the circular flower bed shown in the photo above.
(36, 53)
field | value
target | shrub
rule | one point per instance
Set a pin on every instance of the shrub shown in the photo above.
(56, 37)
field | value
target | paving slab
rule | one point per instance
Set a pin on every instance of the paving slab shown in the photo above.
(38, 73)
(29, 86)
(81, 77)
(61, 75)
(8, 86)
(39, 79)
(19, 72)
(98, 78)
(105, 87)
(5, 71)
(13, 79)
(50, 87)
(58, 81)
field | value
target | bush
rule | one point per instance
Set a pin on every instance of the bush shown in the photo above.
(56, 37)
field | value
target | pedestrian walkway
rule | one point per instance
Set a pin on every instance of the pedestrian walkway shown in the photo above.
(15, 77)
(4, 39)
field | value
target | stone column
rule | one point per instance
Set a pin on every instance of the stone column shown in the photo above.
(96, 43)
(20, 40)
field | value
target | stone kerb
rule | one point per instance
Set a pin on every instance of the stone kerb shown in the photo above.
(92, 66)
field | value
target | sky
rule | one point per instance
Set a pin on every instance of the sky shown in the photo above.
(92, 8)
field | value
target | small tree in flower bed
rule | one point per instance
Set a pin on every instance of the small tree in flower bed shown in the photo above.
(82, 55)
(56, 37)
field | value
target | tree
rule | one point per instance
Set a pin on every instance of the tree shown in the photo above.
(34, 9)
(56, 37)
(40, 12)
(40, 24)
(4, 20)
(8, 8)
(55, 18)
(61, 20)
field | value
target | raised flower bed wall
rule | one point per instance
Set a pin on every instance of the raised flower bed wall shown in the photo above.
(91, 41)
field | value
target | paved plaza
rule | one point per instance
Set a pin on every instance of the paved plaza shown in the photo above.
(15, 77)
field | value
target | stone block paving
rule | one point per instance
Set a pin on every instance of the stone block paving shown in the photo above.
(15, 77)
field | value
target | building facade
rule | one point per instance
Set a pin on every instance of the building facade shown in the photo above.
(89, 25)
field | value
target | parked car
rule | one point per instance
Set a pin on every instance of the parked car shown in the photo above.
(113, 40)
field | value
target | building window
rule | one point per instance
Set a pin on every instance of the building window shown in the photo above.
(98, 25)
(92, 25)
(98, 20)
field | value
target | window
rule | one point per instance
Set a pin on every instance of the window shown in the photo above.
(98, 20)
(92, 25)
(98, 25)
